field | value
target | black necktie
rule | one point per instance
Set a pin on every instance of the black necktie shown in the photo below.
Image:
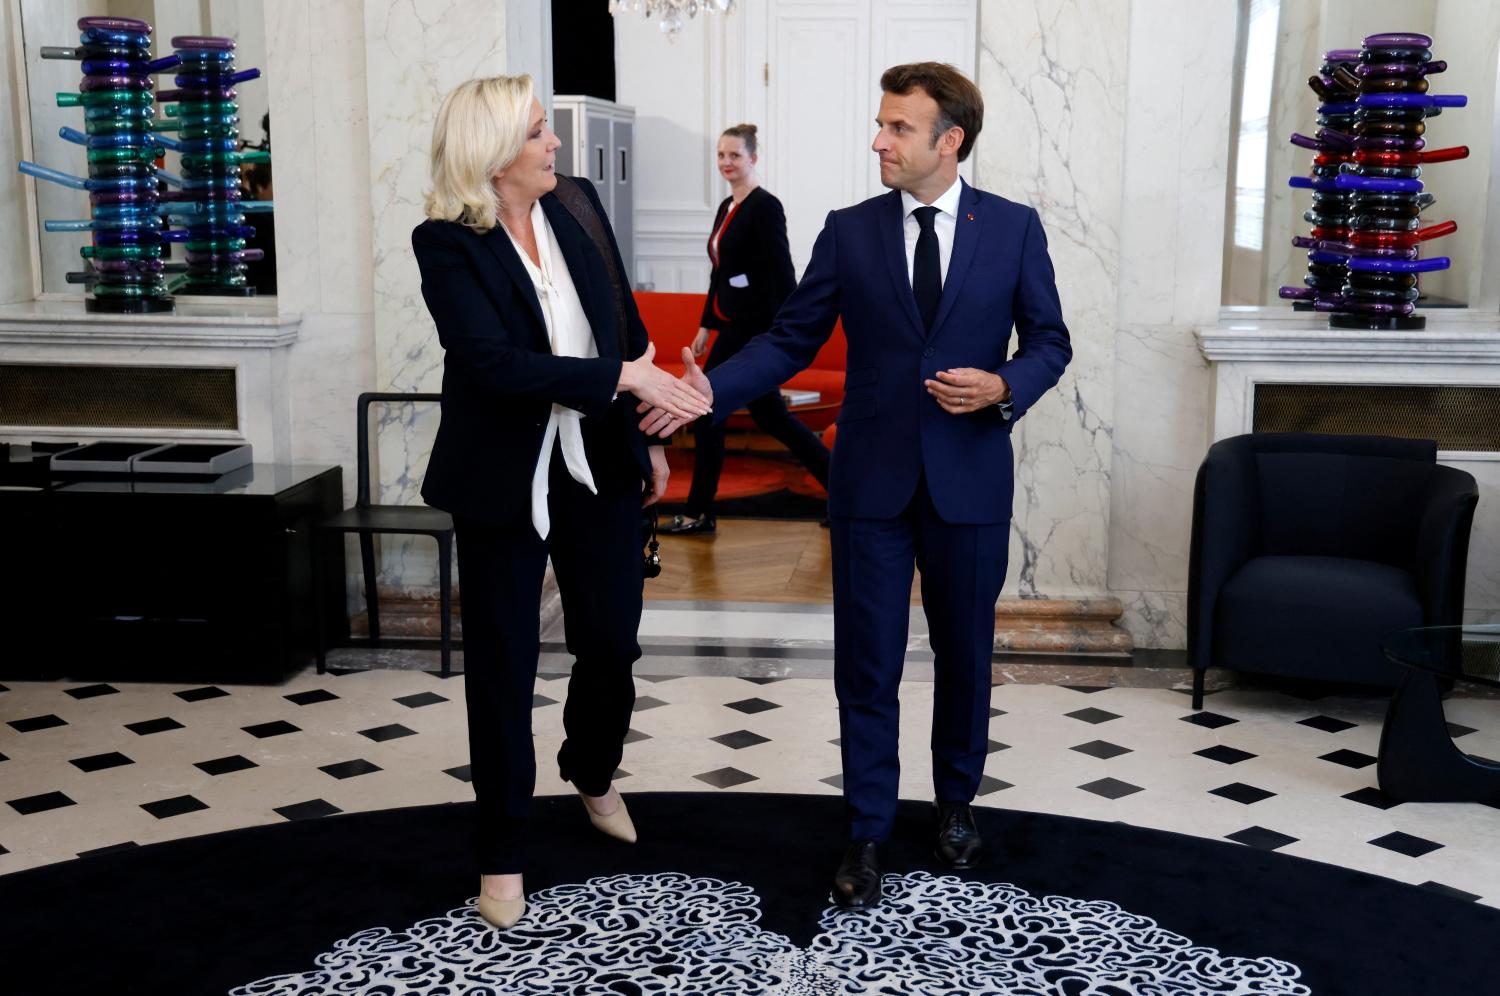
(926, 271)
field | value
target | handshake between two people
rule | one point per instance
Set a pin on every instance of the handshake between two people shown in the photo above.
(668, 403)
(673, 401)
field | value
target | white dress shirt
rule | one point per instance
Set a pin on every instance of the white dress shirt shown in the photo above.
(569, 332)
(943, 223)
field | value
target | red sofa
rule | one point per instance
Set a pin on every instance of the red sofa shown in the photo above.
(672, 320)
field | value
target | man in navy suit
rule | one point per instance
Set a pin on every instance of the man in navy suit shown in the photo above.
(929, 280)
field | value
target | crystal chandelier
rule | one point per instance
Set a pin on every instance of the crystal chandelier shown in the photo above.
(671, 11)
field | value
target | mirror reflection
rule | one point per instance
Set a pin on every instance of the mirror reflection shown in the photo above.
(215, 146)
(1281, 44)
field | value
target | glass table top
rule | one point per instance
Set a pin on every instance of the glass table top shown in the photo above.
(1470, 653)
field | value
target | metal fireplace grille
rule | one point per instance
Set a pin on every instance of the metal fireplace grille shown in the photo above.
(117, 397)
(1459, 418)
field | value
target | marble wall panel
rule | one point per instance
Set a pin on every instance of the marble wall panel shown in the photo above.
(422, 51)
(332, 361)
(1053, 75)
(1172, 230)
(341, 143)
(415, 53)
(292, 55)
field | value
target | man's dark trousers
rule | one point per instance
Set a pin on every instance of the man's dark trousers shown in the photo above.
(963, 568)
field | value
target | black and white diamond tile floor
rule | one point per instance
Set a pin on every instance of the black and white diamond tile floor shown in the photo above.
(149, 762)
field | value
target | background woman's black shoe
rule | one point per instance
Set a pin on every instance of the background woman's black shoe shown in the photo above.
(682, 525)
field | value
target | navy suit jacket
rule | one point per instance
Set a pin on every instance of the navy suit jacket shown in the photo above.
(500, 377)
(891, 432)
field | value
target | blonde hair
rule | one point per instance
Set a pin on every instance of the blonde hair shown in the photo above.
(480, 130)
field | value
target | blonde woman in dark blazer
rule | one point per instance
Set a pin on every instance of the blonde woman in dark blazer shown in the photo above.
(537, 454)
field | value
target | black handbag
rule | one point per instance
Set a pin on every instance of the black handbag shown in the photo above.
(651, 565)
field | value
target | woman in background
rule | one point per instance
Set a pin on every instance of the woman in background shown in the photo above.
(752, 275)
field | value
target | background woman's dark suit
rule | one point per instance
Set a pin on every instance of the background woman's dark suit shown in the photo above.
(500, 379)
(753, 246)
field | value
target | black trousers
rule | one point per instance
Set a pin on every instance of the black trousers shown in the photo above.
(595, 545)
(770, 414)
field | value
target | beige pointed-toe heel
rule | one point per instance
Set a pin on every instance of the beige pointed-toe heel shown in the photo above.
(617, 824)
(501, 913)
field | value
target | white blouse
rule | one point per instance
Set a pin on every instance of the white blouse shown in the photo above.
(569, 331)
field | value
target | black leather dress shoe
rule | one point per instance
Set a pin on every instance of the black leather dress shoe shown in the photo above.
(958, 840)
(682, 525)
(856, 885)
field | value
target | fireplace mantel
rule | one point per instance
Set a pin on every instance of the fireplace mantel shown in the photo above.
(248, 337)
(232, 325)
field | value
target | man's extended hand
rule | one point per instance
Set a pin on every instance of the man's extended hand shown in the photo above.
(965, 390)
(655, 387)
(660, 423)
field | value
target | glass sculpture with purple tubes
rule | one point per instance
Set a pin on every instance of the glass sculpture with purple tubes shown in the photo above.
(210, 208)
(1329, 215)
(124, 268)
(1387, 150)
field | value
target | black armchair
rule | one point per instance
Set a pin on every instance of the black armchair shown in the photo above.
(366, 520)
(1308, 549)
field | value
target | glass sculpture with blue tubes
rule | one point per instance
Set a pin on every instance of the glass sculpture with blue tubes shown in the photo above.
(206, 119)
(1380, 175)
(126, 268)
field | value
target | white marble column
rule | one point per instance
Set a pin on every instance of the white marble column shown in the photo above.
(1053, 75)
(1172, 241)
(315, 86)
(15, 266)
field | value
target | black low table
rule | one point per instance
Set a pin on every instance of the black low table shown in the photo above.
(166, 578)
(1419, 761)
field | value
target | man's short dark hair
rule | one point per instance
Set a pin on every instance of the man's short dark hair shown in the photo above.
(959, 101)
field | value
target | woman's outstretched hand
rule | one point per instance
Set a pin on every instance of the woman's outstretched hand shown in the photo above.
(655, 387)
(660, 422)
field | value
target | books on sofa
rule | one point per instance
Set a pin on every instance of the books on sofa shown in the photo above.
(794, 397)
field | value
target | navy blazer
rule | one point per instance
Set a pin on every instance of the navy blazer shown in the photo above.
(891, 431)
(500, 377)
(754, 246)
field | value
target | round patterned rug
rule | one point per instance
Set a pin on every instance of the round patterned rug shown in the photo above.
(726, 894)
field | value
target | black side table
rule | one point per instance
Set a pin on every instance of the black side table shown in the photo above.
(1419, 761)
(170, 579)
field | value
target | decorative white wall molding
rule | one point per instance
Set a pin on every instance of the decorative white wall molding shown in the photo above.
(53, 323)
(1305, 339)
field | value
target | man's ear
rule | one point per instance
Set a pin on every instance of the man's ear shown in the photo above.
(952, 140)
